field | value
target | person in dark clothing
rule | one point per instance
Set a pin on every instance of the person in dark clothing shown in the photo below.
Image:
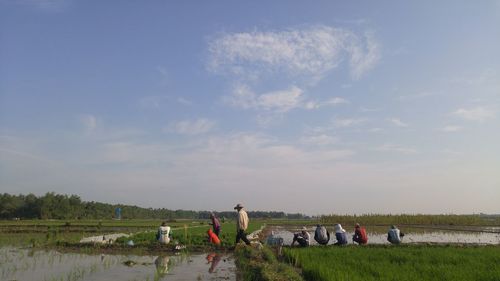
(340, 235)
(321, 235)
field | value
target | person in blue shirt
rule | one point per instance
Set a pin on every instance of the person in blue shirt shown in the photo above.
(340, 235)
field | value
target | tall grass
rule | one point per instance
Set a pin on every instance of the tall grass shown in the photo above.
(409, 219)
(404, 263)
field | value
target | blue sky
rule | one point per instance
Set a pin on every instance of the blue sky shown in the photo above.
(324, 107)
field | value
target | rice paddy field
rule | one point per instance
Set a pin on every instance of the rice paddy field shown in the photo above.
(404, 263)
(52, 250)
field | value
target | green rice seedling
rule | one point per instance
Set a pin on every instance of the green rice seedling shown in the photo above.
(407, 263)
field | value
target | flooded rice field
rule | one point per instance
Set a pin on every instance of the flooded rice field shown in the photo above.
(486, 236)
(25, 264)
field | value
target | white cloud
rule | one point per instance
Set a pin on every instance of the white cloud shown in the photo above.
(450, 129)
(365, 109)
(337, 100)
(276, 101)
(152, 101)
(281, 101)
(397, 148)
(312, 104)
(89, 122)
(418, 95)
(191, 127)
(311, 51)
(349, 122)
(319, 140)
(475, 114)
(397, 122)
(364, 56)
(184, 101)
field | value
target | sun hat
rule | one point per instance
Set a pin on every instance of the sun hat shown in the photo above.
(338, 228)
(238, 206)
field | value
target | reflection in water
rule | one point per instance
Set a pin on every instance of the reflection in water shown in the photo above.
(24, 264)
(213, 259)
(162, 263)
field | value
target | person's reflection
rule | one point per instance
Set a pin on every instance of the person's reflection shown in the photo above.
(213, 259)
(161, 263)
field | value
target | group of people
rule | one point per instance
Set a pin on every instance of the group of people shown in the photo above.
(322, 235)
(303, 238)
(164, 234)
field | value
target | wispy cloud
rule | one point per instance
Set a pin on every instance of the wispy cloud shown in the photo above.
(479, 113)
(89, 122)
(191, 127)
(418, 95)
(397, 148)
(184, 101)
(331, 102)
(51, 6)
(348, 122)
(397, 122)
(309, 51)
(451, 129)
(319, 140)
(275, 101)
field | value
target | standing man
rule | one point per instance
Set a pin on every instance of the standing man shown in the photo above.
(241, 224)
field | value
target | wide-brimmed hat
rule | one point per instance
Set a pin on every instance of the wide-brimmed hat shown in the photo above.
(304, 228)
(238, 206)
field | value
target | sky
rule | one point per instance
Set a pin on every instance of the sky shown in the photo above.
(345, 107)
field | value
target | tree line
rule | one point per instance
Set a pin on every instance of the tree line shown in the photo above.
(62, 206)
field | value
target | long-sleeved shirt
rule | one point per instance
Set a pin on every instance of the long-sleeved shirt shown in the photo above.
(215, 223)
(242, 223)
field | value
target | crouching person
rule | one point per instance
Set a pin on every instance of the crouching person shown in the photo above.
(360, 236)
(321, 235)
(164, 234)
(340, 235)
(303, 237)
(394, 235)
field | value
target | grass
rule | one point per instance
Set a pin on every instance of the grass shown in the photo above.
(412, 219)
(405, 263)
(260, 263)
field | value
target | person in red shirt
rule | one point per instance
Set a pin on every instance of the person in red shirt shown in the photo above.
(360, 236)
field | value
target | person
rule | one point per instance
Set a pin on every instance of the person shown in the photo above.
(360, 236)
(302, 237)
(241, 224)
(163, 235)
(215, 224)
(212, 238)
(395, 235)
(340, 235)
(321, 235)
